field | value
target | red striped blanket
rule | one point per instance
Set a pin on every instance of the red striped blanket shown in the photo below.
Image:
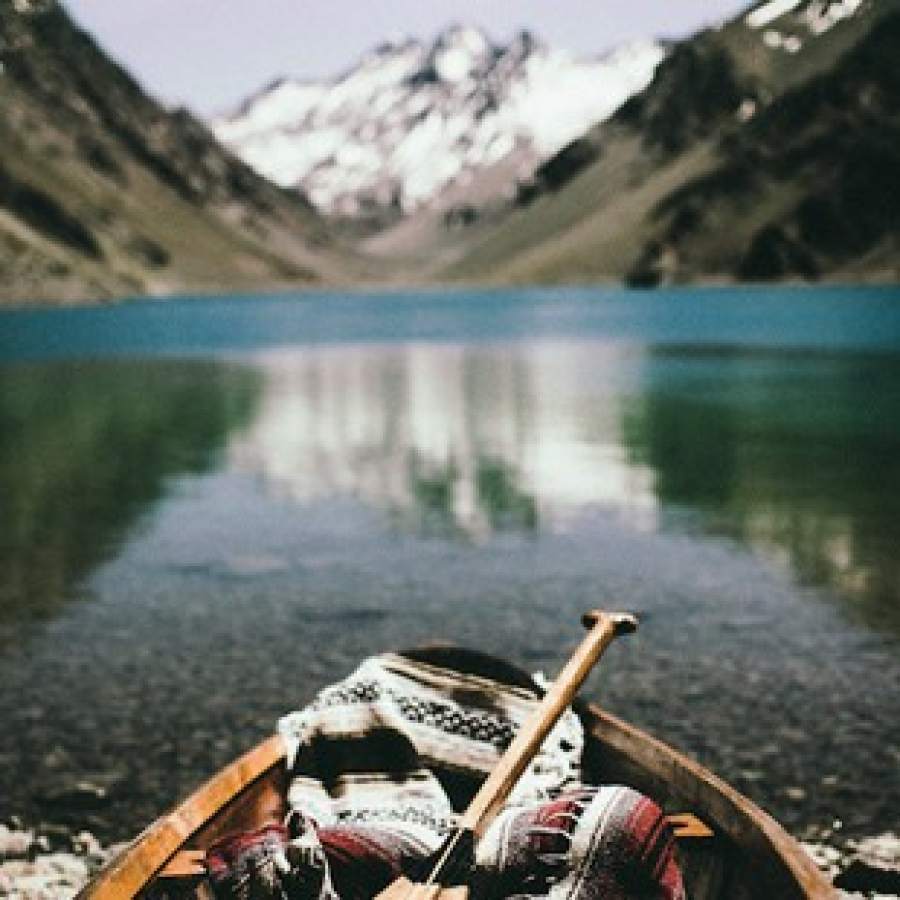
(382, 762)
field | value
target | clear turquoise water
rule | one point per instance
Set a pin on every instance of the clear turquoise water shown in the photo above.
(212, 506)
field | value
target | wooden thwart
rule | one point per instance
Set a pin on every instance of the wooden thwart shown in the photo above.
(192, 863)
(185, 864)
(687, 825)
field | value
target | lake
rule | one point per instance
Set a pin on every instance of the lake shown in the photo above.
(210, 507)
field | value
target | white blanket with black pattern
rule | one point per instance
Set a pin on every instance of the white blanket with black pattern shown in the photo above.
(382, 762)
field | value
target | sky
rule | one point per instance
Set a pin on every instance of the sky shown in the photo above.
(211, 54)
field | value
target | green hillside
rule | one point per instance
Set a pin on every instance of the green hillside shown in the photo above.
(103, 192)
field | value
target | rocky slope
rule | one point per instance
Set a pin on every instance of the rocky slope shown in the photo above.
(413, 119)
(766, 148)
(812, 180)
(103, 192)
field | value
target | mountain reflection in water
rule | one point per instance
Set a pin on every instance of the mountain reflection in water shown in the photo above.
(792, 454)
(465, 440)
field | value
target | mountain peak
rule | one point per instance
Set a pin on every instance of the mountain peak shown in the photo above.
(468, 37)
(460, 52)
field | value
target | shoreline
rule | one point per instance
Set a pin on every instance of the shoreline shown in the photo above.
(305, 289)
(51, 862)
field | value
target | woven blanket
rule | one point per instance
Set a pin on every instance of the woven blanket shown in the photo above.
(382, 762)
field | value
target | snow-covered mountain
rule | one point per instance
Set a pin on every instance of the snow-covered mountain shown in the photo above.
(413, 118)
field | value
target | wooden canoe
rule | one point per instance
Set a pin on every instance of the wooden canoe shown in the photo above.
(729, 849)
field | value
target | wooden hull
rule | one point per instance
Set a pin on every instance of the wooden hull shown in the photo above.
(748, 855)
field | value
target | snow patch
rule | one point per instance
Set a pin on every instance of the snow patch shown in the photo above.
(775, 40)
(747, 110)
(822, 16)
(453, 64)
(289, 100)
(769, 12)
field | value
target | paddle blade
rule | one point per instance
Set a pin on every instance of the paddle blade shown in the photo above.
(404, 889)
(441, 876)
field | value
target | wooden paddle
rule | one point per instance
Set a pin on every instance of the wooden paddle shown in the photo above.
(445, 872)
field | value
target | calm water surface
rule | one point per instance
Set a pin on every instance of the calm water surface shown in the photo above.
(211, 507)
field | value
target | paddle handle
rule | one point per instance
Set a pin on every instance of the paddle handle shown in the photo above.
(603, 628)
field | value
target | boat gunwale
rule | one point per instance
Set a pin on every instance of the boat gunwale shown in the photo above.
(746, 824)
(139, 863)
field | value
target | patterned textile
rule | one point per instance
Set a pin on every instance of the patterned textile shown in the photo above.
(607, 843)
(381, 763)
(267, 863)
